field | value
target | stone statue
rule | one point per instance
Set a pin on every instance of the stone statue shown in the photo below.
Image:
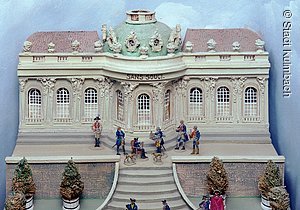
(236, 47)
(98, 46)
(260, 45)
(51, 47)
(112, 41)
(188, 47)
(75, 46)
(144, 51)
(175, 37)
(171, 48)
(211, 45)
(104, 31)
(27, 46)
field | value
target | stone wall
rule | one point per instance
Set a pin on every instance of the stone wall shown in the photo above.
(243, 177)
(97, 178)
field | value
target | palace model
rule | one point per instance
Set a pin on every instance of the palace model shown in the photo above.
(141, 75)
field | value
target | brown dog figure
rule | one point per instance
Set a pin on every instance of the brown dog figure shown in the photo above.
(129, 158)
(157, 157)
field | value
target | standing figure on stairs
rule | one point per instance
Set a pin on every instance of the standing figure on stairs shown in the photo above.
(97, 129)
(182, 135)
(132, 205)
(195, 135)
(120, 140)
(217, 201)
(165, 205)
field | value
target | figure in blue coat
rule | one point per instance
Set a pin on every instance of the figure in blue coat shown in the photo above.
(182, 135)
(132, 205)
(120, 140)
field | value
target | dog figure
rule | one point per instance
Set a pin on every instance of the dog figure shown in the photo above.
(157, 157)
(130, 158)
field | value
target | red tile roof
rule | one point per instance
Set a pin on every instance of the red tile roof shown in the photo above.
(223, 37)
(63, 40)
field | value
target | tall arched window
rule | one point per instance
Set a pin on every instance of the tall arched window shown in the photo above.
(143, 109)
(120, 106)
(196, 102)
(34, 104)
(90, 103)
(223, 101)
(250, 102)
(62, 103)
(167, 105)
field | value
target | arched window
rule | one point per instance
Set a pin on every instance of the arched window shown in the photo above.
(90, 103)
(196, 102)
(250, 102)
(143, 109)
(167, 105)
(120, 106)
(223, 101)
(34, 104)
(62, 103)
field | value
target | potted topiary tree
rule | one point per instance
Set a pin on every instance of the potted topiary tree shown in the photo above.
(23, 182)
(279, 198)
(217, 182)
(269, 179)
(71, 187)
(15, 201)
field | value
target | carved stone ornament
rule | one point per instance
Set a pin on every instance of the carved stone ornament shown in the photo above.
(98, 46)
(27, 46)
(171, 48)
(75, 46)
(51, 47)
(188, 47)
(175, 37)
(128, 88)
(236, 47)
(156, 42)
(48, 84)
(104, 32)
(104, 84)
(211, 45)
(77, 84)
(144, 51)
(22, 83)
(112, 41)
(260, 45)
(131, 42)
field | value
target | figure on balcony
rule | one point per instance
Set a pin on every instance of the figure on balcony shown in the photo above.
(120, 140)
(97, 129)
(157, 137)
(138, 148)
(195, 135)
(132, 205)
(182, 135)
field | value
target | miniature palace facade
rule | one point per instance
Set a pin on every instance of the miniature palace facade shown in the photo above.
(141, 75)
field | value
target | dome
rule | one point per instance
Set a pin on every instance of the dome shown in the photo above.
(141, 34)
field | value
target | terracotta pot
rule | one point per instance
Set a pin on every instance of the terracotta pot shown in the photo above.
(71, 204)
(265, 203)
(29, 203)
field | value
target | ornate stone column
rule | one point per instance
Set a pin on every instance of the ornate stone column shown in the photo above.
(48, 94)
(22, 100)
(180, 87)
(105, 91)
(77, 84)
(263, 108)
(237, 98)
(213, 102)
(128, 103)
(158, 98)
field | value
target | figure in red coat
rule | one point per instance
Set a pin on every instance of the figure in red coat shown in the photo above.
(217, 201)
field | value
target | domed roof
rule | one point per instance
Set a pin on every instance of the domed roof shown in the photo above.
(142, 32)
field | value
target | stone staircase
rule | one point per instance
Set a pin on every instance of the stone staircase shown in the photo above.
(149, 186)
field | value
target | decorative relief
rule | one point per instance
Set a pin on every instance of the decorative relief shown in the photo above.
(22, 83)
(131, 42)
(77, 84)
(156, 42)
(188, 47)
(260, 45)
(104, 84)
(98, 46)
(236, 47)
(51, 47)
(175, 37)
(48, 85)
(238, 84)
(128, 88)
(158, 91)
(112, 41)
(144, 51)
(171, 48)
(181, 85)
(27, 46)
(75, 46)
(261, 82)
(212, 87)
(211, 45)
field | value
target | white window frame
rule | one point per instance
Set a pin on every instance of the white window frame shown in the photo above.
(250, 102)
(143, 109)
(34, 104)
(62, 103)
(90, 103)
(223, 101)
(196, 102)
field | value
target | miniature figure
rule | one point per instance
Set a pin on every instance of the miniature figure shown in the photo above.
(120, 140)
(97, 129)
(217, 201)
(182, 135)
(138, 146)
(165, 205)
(204, 205)
(195, 135)
(132, 205)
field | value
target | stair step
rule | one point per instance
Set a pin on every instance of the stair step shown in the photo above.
(129, 189)
(178, 204)
(154, 197)
(157, 180)
(145, 173)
